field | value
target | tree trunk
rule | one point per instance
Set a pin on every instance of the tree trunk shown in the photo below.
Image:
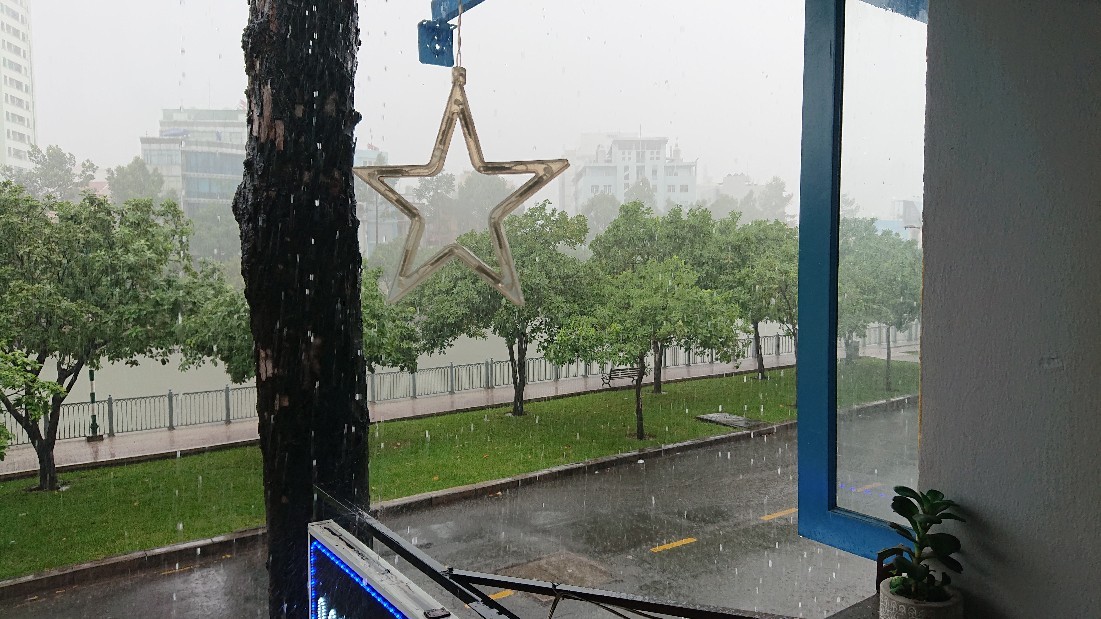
(518, 362)
(47, 468)
(852, 349)
(301, 262)
(757, 349)
(640, 432)
(888, 373)
(659, 364)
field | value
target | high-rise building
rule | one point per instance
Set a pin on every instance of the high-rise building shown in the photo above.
(15, 67)
(200, 155)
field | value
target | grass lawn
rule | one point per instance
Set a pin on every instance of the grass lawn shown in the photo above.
(113, 510)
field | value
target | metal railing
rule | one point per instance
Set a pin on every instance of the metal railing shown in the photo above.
(173, 410)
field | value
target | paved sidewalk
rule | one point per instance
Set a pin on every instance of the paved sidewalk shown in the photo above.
(129, 445)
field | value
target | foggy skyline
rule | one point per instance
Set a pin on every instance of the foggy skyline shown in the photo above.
(722, 80)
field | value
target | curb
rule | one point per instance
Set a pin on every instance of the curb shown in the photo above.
(168, 558)
(890, 404)
(189, 554)
(497, 486)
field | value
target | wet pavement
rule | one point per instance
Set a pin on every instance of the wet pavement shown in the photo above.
(714, 526)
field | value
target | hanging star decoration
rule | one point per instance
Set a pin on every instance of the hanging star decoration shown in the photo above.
(506, 280)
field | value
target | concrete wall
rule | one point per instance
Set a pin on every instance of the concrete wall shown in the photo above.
(1011, 366)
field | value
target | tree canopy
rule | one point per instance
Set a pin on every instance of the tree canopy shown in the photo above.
(84, 283)
(134, 180)
(53, 173)
(457, 302)
(767, 203)
(659, 301)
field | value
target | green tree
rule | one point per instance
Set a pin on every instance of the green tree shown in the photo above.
(84, 283)
(215, 326)
(134, 180)
(638, 236)
(642, 192)
(390, 334)
(857, 271)
(629, 242)
(456, 302)
(898, 288)
(657, 301)
(23, 390)
(758, 265)
(435, 194)
(53, 173)
(878, 281)
(215, 234)
(600, 211)
(477, 194)
(767, 203)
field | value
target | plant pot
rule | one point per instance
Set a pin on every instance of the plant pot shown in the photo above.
(893, 606)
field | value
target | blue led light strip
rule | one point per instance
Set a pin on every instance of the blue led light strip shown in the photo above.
(378, 597)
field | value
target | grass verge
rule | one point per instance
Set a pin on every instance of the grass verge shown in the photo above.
(113, 510)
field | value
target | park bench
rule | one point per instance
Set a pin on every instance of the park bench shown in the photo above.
(616, 373)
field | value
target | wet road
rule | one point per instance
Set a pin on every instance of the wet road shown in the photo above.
(714, 526)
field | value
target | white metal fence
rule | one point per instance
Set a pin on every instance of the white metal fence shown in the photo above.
(173, 410)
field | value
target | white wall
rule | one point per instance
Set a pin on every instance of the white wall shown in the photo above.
(1011, 372)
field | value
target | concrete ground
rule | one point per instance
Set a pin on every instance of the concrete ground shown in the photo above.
(714, 526)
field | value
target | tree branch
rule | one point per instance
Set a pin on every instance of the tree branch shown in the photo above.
(23, 420)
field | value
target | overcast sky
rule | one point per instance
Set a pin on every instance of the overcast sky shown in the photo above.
(721, 78)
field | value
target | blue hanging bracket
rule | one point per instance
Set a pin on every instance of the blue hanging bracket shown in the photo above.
(436, 37)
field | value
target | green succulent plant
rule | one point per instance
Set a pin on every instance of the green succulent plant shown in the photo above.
(913, 577)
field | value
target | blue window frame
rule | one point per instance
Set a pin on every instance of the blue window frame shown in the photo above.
(820, 518)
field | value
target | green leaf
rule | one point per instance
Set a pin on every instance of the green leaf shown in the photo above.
(903, 531)
(903, 565)
(908, 492)
(943, 544)
(951, 563)
(904, 507)
(925, 521)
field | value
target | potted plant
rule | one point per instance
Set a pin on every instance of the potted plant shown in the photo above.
(913, 590)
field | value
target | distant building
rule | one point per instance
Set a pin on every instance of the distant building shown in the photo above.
(15, 67)
(379, 221)
(200, 155)
(910, 211)
(616, 167)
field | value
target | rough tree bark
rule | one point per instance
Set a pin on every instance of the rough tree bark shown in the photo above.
(518, 363)
(659, 363)
(640, 432)
(760, 354)
(301, 266)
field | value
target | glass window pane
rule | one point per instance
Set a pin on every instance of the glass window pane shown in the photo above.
(879, 269)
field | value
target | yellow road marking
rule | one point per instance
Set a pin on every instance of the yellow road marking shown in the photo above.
(676, 544)
(501, 594)
(780, 514)
(177, 571)
(869, 487)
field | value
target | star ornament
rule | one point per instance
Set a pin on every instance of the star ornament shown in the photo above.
(506, 280)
